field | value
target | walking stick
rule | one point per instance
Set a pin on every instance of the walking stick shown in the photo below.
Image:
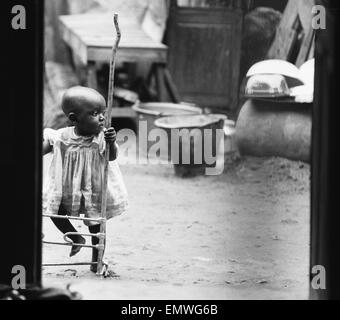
(100, 265)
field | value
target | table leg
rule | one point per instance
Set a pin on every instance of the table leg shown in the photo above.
(92, 75)
(175, 96)
(166, 88)
(160, 84)
(131, 68)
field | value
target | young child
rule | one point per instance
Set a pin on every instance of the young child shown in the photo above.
(73, 185)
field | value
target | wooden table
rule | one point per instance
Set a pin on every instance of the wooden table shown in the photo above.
(91, 37)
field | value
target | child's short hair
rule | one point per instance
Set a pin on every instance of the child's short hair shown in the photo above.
(75, 97)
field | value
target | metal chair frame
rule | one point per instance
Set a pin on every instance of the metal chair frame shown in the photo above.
(102, 267)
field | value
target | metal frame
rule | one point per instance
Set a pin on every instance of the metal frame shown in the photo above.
(102, 267)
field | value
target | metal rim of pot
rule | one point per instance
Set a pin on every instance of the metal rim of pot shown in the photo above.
(179, 106)
(159, 122)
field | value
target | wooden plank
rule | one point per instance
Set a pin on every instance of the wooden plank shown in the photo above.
(127, 55)
(312, 49)
(283, 44)
(286, 35)
(305, 48)
(305, 12)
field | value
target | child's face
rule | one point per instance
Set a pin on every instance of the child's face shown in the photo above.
(90, 119)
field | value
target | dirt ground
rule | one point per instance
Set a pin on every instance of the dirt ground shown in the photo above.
(241, 235)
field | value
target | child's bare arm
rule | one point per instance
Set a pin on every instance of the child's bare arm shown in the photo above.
(110, 137)
(47, 148)
(113, 151)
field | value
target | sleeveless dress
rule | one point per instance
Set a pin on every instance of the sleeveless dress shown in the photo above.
(75, 174)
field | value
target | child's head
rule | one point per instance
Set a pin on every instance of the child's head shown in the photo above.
(85, 108)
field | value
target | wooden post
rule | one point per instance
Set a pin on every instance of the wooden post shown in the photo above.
(325, 220)
(22, 93)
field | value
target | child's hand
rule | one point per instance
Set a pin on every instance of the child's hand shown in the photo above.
(110, 135)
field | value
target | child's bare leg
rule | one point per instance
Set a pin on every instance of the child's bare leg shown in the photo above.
(65, 226)
(94, 229)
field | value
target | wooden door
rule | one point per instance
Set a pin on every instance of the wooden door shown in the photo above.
(204, 54)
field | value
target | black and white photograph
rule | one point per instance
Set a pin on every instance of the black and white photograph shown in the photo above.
(170, 150)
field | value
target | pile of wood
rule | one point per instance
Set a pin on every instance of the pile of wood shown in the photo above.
(294, 40)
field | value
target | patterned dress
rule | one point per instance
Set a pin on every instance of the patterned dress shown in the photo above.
(75, 173)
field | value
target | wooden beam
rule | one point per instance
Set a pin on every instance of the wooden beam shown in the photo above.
(297, 13)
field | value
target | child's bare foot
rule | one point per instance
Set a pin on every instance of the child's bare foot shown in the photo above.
(110, 274)
(75, 249)
(107, 272)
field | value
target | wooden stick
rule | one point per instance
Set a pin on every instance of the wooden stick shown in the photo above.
(107, 151)
(176, 98)
(112, 71)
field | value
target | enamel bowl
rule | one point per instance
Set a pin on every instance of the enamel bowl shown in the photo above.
(266, 86)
